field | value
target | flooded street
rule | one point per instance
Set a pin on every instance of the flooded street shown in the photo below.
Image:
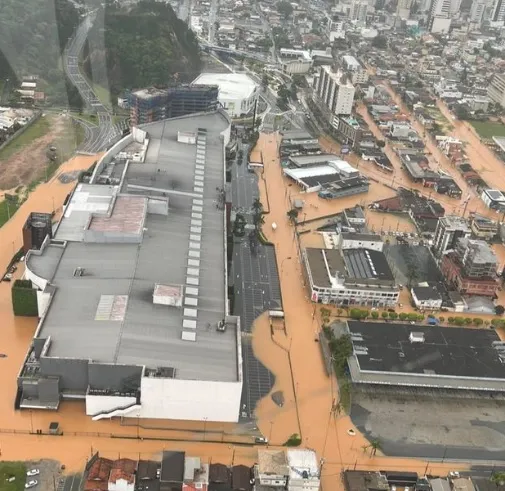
(315, 392)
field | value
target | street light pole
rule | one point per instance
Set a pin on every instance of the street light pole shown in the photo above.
(282, 262)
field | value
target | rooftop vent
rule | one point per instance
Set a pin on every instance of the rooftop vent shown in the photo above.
(416, 337)
(78, 271)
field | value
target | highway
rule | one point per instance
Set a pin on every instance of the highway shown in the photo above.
(98, 137)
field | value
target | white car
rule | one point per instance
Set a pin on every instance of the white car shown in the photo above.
(31, 484)
(33, 472)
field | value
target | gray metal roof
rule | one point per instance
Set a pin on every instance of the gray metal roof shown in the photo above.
(141, 332)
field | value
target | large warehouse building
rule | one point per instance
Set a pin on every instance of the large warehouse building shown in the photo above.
(238, 93)
(433, 357)
(133, 285)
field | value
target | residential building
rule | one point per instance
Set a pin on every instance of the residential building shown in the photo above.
(496, 89)
(493, 198)
(238, 93)
(365, 481)
(477, 10)
(358, 11)
(483, 228)
(336, 30)
(295, 61)
(241, 478)
(272, 469)
(97, 478)
(122, 475)
(359, 74)
(172, 470)
(426, 297)
(441, 8)
(351, 130)
(350, 277)
(335, 90)
(449, 230)
(471, 268)
(153, 104)
(303, 470)
(127, 255)
(403, 8)
(498, 14)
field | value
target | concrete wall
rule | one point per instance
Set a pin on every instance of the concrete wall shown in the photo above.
(98, 404)
(109, 156)
(114, 377)
(189, 400)
(43, 299)
(73, 373)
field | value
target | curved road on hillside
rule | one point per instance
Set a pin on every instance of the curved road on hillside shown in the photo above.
(97, 137)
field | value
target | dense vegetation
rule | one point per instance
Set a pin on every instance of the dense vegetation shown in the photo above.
(33, 35)
(145, 45)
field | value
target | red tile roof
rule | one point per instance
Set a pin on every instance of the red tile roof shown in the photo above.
(100, 470)
(123, 469)
(95, 485)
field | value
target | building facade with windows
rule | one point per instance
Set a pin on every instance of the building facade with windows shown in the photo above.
(335, 91)
(350, 277)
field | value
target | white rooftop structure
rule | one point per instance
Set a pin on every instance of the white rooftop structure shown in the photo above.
(237, 91)
(135, 283)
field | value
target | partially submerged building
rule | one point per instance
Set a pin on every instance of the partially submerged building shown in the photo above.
(133, 285)
(427, 357)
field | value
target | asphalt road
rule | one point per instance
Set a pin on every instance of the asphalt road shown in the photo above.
(97, 137)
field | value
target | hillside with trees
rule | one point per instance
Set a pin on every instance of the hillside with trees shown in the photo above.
(143, 45)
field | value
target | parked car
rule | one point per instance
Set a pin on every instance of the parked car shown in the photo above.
(33, 472)
(7, 277)
(31, 484)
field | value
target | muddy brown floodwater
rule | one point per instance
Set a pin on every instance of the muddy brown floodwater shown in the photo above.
(293, 357)
(72, 449)
(315, 392)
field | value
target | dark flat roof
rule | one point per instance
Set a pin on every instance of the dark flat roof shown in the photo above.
(449, 351)
(172, 466)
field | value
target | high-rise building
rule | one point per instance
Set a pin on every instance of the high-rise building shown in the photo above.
(496, 89)
(153, 104)
(358, 11)
(403, 8)
(441, 8)
(454, 7)
(449, 229)
(498, 11)
(477, 11)
(335, 90)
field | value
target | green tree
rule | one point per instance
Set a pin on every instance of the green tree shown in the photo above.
(441, 318)
(257, 206)
(478, 321)
(393, 315)
(375, 314)
(499, 310)
(412, 316)
(420, 317)
(284, 8)
(459, 321)
(384, 315)
(380, 42)
(293, 214)
(468, 321)
(403, 316)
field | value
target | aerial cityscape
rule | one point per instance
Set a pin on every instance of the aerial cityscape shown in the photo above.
(252, 246)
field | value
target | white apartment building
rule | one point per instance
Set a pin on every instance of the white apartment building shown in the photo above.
(477, 11)
(335, 90)
(359, 75)
(295, 60)
(336, 30)
(498, 11)
(358, 11)
(496, 89)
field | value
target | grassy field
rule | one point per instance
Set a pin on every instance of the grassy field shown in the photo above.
(487, 129)
(103, 94)
(7, 209)
(36, 130)
(12, 469)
